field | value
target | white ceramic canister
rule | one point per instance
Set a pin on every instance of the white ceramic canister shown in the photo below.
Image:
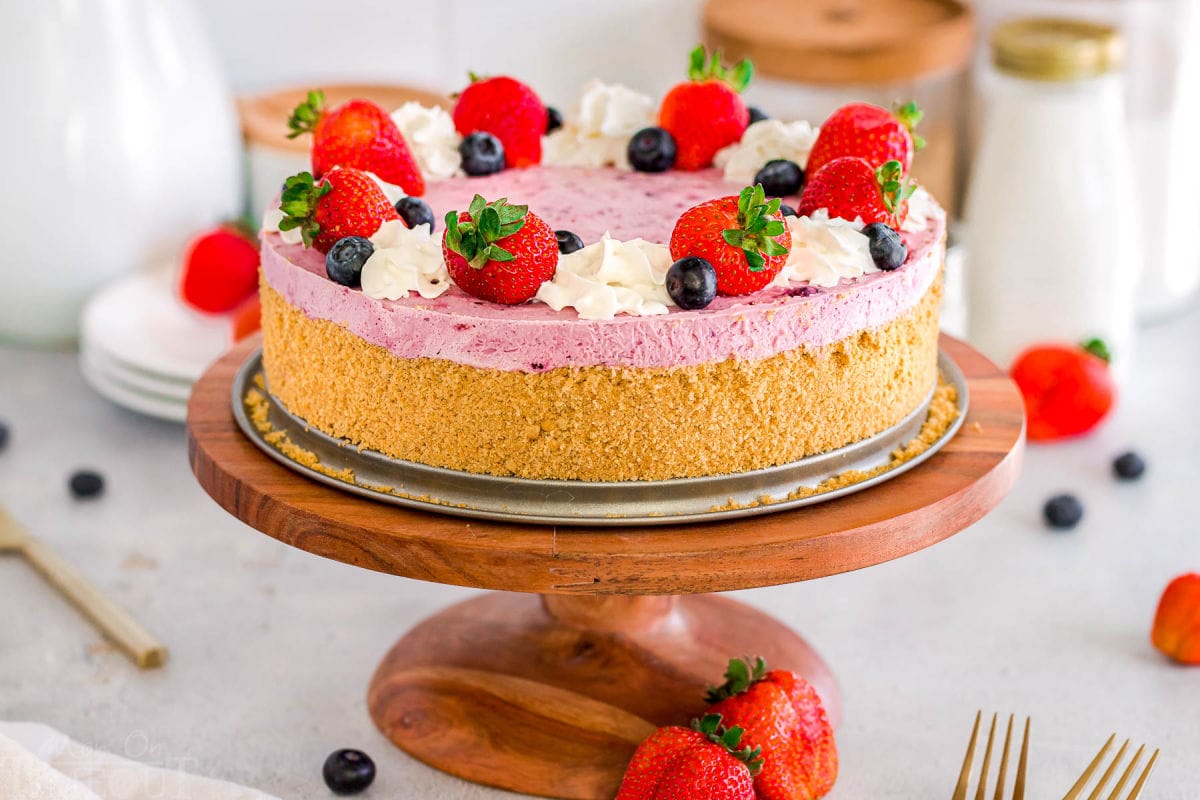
(120, 144)
(1053, 242)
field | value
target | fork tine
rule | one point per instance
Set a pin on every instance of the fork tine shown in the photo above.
(1019, 785)
(1108, 773)
(1004, 761)
(1116, 792)
(981, 792)
(1077, 789)
(1136, 791)
(960, 791)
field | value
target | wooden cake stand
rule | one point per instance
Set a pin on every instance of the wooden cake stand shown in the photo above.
(597, 634)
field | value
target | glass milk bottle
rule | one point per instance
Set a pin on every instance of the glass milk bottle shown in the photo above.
(1052, 232)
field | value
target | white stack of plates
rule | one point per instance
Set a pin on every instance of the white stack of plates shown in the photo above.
(142, 348)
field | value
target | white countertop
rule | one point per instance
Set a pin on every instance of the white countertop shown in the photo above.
(272, 648)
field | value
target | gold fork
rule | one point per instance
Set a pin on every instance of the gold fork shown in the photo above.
(964, 777)
(1134, 793)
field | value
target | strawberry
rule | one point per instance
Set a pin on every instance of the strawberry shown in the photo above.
(499, 252)
(346, 202)
(1068, 389)
(677, 763)
(781, 714)
(1176, 629)
(356, 134)
(220, 270)
(866, 131)
(851, 188)
(706, 112)
(247, 318)
(743, 237)
(507, 109)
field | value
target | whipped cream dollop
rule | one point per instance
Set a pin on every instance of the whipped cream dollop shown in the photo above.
(764, 141)
(824, 251)
(611, 277)
(405, 260)
(920, 208)
(431, 136)
(596, 132)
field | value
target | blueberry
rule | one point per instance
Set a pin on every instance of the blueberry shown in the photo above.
(888, 250)
(482, 154)
(415, 211)
(652, 150)
(344, 261)
(554, 119)
(787, 210)
(1063, 511)
(568, 242)
(85, 483)
(692, 282)
(3, 436)
(757, 114)
(348, 771)
(1128, 466)
(780, 177)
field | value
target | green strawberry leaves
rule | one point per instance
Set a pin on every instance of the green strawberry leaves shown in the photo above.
(305, 116)
(892, 183)
(1098, 348)
(756, 228)
(729, 738)
(740, 675)
(910, 115)
(301, 193)
(702, 67)
(475, 239)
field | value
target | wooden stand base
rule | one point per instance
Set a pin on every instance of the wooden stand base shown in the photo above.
(550, 694)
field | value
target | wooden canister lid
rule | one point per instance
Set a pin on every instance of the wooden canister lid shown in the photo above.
(264, 116)
(840, 42)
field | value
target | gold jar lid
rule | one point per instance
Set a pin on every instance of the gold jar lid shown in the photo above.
(1049, 49)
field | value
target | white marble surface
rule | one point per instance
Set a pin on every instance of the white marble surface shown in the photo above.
(272, 648)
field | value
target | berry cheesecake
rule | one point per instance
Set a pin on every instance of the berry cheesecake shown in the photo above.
(639, 291)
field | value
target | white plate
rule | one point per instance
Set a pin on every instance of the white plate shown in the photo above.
(133, 398)
(135, 379)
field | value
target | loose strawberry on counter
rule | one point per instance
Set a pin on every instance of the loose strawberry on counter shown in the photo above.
(220, 270)
(499, 252)
(743, 237)
(703, 761)
(869, 132)
(1068, 389)
(851, 188)
(346, 202)
(783, 715)
(507, 109)
(356, 134)
(1176, 631)
(247, 318)
(706, 112)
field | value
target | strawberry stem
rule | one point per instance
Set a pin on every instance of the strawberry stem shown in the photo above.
(301, 193)
(757, 229)
(475, 239)
(910, 115)
(703, 67)
(892, 183)
(740, 675)
(729, 738)
(305, 116)
(1099, 348)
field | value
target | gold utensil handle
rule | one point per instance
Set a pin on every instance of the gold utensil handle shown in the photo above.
(137, 642)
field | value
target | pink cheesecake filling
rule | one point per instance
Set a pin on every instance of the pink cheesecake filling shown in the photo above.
(533, 337)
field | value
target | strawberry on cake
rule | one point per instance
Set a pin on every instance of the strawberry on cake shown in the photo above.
(611, 294)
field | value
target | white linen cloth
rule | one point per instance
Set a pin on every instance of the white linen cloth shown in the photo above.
(38, 762)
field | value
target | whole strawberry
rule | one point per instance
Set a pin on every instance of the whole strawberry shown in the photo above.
(870, 132)
(850, 188)
(706, 112)
(356, 134)
(781, 714)
(703, 761)
(1068, 389)
(499, 252)
(346, 202)
(507, 109)
(1176, 631)
(743, 237)
(220, 270)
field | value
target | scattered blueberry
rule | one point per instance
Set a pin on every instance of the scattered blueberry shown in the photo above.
(888, 250)
(3, 436)
(415, 211)
(757, 114)
(482, 154)
(85, 483)
(554, 119)
(348, 771)
(787, 210)
(692, 282)
(780, 177)
(1127, 466)
(652, 150)
(568, 242)
(1063, 511)
(344, 261)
